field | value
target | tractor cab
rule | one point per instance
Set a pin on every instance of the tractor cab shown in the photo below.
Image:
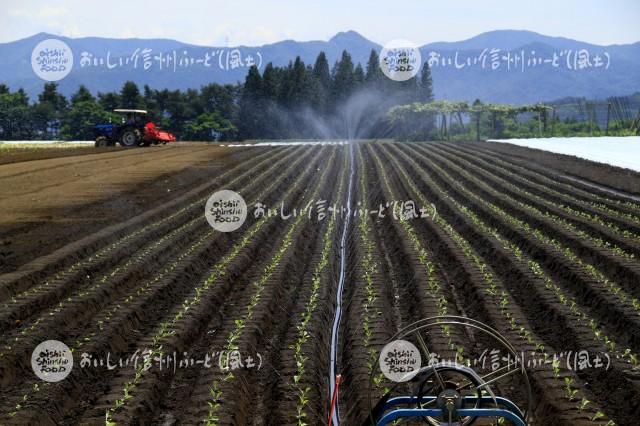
(134, 130)
(131, 116)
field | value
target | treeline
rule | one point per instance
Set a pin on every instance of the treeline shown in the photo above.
(319, 101)
(193, 114)
(295, 101)
(462, 121)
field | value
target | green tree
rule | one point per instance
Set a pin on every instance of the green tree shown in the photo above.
(270, 82)
(52, 97)
(15, 117)
(216, 97)
(358, 77)
(109, 101)
(177, 111)
(79, 120)
(47, 113)
(150, 103)
(130, 96)
(343, 79)
(250, 117)
(322, 77)
(321, 71)
(426, 85)
(374, 77)
(297, 85)
(476, 113)
(82, 95)
(210, 126)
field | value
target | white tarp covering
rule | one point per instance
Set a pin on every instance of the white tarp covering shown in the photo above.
(616, 151)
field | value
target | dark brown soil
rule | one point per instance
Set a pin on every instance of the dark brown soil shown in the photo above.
(50, 203)
(20, 154)
(602, 174)
(103, 251)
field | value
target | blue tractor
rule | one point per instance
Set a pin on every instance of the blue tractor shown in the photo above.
(135, 130)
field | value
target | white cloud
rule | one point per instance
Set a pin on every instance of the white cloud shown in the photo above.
(71, 30)
(19, 13)
(49, 12)
(127, 33)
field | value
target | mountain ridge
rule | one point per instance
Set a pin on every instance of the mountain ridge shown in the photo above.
(621, 77)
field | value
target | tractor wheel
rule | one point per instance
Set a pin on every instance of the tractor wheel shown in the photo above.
(130, 138)
(101, 142)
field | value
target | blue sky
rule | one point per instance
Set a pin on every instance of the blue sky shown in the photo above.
(255, 22)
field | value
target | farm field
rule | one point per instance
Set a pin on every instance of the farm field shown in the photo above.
(54, 196)
(572, 162)
(111, 254)
(616, 151)
(13, 152)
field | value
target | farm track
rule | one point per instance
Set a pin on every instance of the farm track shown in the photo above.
(550, 263)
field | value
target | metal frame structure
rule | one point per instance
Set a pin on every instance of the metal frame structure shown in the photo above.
(449, 405)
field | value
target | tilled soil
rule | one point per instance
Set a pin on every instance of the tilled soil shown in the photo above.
(602, 174)
(110, 254)
(52, 202)
(17, 154)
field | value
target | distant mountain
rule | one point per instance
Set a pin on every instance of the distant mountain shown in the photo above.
(531, 67)
(619, 73)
